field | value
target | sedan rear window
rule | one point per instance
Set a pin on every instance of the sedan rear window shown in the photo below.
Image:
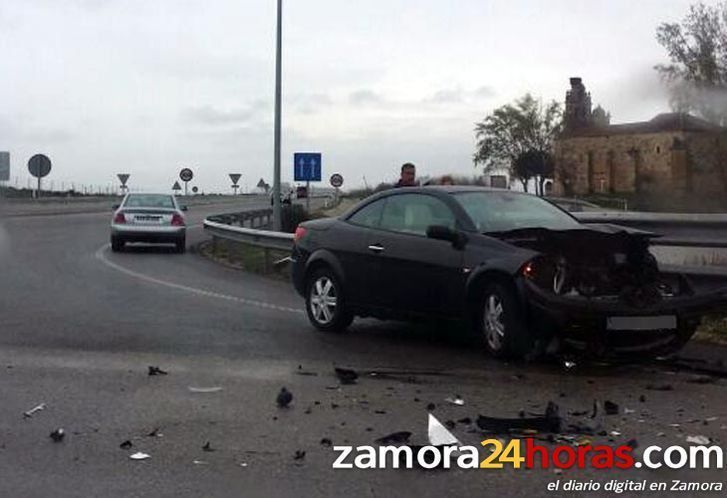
(504, 211)
(150, 201)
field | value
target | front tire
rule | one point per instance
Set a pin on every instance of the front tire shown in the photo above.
(501, 325)
(325, 303)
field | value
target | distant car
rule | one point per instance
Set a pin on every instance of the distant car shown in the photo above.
(575, 205)
(152, 218)
(523, 273)
(285, 197)
(301, 192)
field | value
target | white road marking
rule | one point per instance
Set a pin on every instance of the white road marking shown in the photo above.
(101, 256)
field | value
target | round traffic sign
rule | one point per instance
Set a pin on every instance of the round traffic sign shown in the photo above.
(336, 180)
(186, 175)
(39, 165)
(195, 190)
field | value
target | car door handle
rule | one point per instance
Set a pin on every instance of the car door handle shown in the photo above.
(376, 248)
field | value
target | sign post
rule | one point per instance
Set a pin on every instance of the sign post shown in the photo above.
(39, 166)
(307, 168)
(235, 177)
(336, 182)
(186, 176)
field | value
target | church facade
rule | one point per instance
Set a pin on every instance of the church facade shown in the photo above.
(673, 153)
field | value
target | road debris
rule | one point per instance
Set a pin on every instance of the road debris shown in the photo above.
(34, 410)
(457, 400)
(207, 447)
(153, 370)
(431, 407)
(299, 455)
(284, 398)
(700, 440)
(703, 380)
(548, 422)
(155, 433)
(439, 435)
(139, 456)
(199, 462)
(58, 435)
(465, 421)
(326, 442)
(610, 407)
(395, 437)
(214, 389)
(660, 387)
(346, 375)
(126, 445)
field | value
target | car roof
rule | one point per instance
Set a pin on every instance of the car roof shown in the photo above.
(447, 189)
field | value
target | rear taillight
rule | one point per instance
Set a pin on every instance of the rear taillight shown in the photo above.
(177, 220)
(299, 234)
(119, 218)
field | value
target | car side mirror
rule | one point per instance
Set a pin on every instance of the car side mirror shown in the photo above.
(184, 208)
(115, 206)
(441, 232)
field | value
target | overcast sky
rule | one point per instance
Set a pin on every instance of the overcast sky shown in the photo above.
(149, 86)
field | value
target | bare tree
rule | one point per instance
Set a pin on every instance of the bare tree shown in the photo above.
(697, 75)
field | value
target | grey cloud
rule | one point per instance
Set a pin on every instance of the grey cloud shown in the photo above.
(485, 92)
(214, 116)
(459, 95)
(364, 97)
(447, 96)
(309, 103)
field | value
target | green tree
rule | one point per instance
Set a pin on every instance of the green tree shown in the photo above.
(697, 74)
(512, 131)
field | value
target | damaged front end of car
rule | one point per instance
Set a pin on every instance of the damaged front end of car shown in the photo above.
(599, 290)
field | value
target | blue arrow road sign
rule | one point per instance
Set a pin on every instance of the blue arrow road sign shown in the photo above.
(307, 166)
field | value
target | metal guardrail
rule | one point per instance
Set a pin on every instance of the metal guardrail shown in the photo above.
(677, 229)
(255, 237)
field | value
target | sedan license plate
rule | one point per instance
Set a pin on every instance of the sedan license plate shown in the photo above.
(146, 219)
(641, 322)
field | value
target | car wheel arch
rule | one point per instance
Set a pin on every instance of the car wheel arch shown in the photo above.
(479, 280)
(324, 259)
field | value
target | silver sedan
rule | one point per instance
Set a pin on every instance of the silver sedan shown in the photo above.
(151, 218)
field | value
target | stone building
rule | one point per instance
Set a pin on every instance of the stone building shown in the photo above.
(673, 153)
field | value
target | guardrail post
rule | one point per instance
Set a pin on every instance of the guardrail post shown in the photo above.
(267, 263)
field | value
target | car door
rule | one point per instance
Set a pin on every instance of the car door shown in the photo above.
(352, 248)
(416, 274)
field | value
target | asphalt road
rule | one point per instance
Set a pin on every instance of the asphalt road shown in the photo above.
(79, 326)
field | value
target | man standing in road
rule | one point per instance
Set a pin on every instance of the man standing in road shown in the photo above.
(408, 176)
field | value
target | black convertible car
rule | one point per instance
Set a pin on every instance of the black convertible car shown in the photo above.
(522, 272)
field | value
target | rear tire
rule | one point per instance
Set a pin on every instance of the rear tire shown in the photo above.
(117, 244)
(325, 302)
(500, 323)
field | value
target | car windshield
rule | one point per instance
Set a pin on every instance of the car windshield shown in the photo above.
(150, 201)
(505, 211)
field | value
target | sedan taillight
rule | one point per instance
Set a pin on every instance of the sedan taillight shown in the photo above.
(119, 219)
(177, 220)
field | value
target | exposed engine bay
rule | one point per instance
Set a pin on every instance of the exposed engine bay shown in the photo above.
(603, 262)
